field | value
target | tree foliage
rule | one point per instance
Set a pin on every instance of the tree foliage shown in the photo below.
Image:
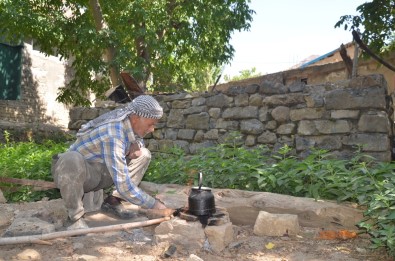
(243, 74)
(165, 45)
(375, 22)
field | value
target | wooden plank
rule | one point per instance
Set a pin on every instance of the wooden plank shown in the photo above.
(29, 182)
(131, 85)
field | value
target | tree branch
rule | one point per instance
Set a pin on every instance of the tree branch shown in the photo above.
(373, 55)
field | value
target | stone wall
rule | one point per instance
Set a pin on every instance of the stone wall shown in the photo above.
(337, 116)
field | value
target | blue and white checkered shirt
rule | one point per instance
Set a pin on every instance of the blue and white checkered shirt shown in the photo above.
(109, 144)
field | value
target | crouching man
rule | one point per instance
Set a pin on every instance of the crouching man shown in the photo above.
(109, 150)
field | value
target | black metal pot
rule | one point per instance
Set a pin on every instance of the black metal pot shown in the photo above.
(201, 200)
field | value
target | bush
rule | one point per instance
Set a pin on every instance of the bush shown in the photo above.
(320, 176)
(28, 160)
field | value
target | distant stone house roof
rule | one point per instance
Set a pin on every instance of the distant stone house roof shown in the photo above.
(330, 57)
(329, 67)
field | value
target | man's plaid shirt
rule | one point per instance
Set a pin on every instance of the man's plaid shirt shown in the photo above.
(109, 144)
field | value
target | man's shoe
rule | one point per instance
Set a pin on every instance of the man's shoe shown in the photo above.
(79, 224)
(114, 206)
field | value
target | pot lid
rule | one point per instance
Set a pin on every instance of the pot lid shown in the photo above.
(202, 188)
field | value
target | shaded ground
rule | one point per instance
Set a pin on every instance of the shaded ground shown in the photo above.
(138, 244)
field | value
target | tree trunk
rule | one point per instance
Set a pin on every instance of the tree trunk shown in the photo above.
(109, 53)
(143, 52)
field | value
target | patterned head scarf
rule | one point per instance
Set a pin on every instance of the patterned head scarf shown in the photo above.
(144, 106)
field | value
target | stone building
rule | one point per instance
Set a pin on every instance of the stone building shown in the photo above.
(29, 87)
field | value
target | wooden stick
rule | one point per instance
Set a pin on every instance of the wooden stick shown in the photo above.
(370, 52)
(156, 213)
(40, 238)
(29, 182)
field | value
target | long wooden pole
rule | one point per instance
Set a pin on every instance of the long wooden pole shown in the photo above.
(29, 182)
(40, 239)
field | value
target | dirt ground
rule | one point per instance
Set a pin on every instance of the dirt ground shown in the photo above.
(138, 244)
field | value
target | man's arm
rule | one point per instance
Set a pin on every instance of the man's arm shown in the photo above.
(114, 158)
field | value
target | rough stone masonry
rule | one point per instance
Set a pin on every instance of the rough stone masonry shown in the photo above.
(339, 117)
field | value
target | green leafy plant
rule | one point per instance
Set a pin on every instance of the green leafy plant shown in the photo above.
(27, 160)
(319, 175)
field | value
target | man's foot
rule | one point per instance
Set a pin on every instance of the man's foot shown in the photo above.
(114, 206)
(79, 224)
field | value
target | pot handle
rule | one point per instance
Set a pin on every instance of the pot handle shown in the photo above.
(200, 180)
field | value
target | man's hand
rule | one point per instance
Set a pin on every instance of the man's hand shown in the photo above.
(159, 210)
(134, 151)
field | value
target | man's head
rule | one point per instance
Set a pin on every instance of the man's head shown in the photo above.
(146, 106)
(143, 107)
(146, 112)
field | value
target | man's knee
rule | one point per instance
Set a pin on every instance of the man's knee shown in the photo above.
(145, 153)
(69, 163)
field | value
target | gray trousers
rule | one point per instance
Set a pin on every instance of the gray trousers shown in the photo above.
(81, 183)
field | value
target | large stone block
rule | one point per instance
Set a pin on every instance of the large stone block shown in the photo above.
(214, 113)
(241, 99)
(211, 134)
(219, 101)
(306, 128)
(186, 134)
(198, 121)
(333, 127)
(251, 126)
(189, 235)
(240, 113)
(75, 113)
(181, 104)
(171, 134)
(361, 98)
(263, 113)
(374, 122)
(368, 142)
(89, 113)
(2, 198)
(306, 114)
(220, 236)
(286, 129)
(328, 142)
(344, 114)
(268, 224)
(269, 87)
(284, 99)
(28, 226)
(198, 101)
(372, 80)
(267, 137)
(255, 100)
(176, 119)
(281, 113)
(195, 109)
(177, 96)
